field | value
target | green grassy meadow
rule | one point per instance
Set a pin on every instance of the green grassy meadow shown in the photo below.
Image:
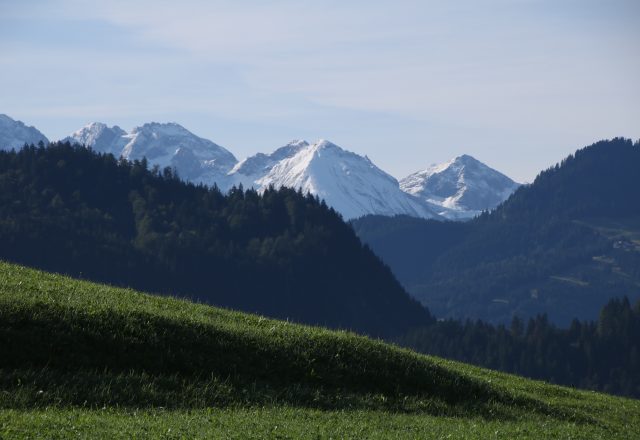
(83, 360)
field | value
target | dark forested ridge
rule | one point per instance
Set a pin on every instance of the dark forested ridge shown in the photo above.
(283, 254)
(602, 355)
(562, 246)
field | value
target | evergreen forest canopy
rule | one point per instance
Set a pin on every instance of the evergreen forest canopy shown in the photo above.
(562, 246)
(66, 209)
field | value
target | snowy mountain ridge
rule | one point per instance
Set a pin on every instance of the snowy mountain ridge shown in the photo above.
(163, 144)
(350, 183)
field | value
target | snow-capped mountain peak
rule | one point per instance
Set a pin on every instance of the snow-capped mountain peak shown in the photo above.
(255, 166)
(15, 134)
(323, 144)
(348, 182)
(159, 142)
(463, 186)
(100, 138)
(162, 144)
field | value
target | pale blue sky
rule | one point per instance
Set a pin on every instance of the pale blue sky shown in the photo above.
(518, 84)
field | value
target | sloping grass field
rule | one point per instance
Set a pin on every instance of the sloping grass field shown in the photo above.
(83, 360)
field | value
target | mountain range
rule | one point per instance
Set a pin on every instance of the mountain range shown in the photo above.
(352, 184)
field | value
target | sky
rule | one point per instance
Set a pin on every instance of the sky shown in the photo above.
(518, 84)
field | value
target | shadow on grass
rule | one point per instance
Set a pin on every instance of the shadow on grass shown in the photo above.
(55, 356)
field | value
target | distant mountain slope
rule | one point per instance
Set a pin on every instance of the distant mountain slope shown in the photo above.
(279, 253)
(463, 187)
(409, 244)
(563, 245)
(15, 134)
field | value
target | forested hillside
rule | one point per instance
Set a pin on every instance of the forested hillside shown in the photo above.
(281, 253)
(562, 246)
